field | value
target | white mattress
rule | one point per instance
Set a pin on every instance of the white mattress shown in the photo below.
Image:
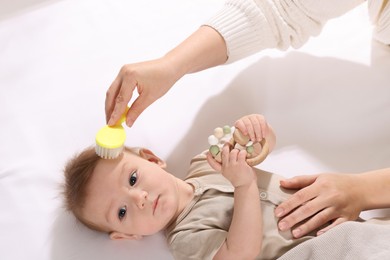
(329, 103)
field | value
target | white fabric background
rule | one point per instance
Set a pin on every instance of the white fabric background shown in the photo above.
(328, 102)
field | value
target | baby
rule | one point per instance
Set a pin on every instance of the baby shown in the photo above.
(219, 211)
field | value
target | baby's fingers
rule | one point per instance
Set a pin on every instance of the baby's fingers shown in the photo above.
(260, 127)
(255, 126)
(213, 163)
(246, 127)
(225, 155)
(241, 157)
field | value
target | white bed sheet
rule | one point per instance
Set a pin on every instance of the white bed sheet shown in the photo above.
(329, 103)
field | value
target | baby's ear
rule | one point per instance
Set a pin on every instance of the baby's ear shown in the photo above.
(151, 157)
(120, 236)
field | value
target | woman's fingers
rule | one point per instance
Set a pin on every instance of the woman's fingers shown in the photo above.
(334, 223)
(307, 206)
(298, 182)
(317, 220)
(118, 98)
(111, 94)
(300, 197)
(322, 198)
(297, 199)
(138, 106)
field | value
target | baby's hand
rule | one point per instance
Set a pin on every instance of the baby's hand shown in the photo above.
(235, 168)
(250, 134)
(255, 126)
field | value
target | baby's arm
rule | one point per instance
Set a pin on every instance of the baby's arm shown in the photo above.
(245, 234)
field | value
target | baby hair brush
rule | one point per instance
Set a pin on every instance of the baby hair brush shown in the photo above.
(110, 140)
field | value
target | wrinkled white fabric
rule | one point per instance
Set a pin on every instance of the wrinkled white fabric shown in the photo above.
(346, 242)
(249, 26)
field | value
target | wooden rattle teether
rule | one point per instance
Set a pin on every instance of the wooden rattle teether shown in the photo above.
(256, 151)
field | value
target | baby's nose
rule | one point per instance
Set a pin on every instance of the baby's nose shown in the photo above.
(140, 198)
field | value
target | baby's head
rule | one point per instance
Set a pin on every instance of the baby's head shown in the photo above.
(127, 197)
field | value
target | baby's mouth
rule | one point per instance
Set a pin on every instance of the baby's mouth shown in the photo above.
(155, 203)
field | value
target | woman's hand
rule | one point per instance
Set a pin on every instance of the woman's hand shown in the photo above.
(322, 199)
(205, 48)
(152, 79)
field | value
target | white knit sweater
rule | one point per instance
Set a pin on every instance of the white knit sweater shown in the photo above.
(249, 26)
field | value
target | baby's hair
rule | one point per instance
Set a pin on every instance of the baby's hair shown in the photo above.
(78, 172)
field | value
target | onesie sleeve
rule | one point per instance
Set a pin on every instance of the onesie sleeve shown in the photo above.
(203, 244)
(249, 26)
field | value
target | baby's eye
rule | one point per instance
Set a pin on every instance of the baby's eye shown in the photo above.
(122, 212)
(133, 179)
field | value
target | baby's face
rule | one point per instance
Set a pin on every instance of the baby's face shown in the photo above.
(131, 196)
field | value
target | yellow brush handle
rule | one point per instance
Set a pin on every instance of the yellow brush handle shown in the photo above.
(123, 117)
(112, 137)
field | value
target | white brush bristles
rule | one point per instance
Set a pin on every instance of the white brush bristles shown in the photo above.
(107, 153)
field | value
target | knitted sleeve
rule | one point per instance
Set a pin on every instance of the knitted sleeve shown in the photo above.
(379, 11)
(249, 26)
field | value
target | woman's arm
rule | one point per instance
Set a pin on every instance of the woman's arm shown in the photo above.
(376, 186)
(241, 28)
(204, 49)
